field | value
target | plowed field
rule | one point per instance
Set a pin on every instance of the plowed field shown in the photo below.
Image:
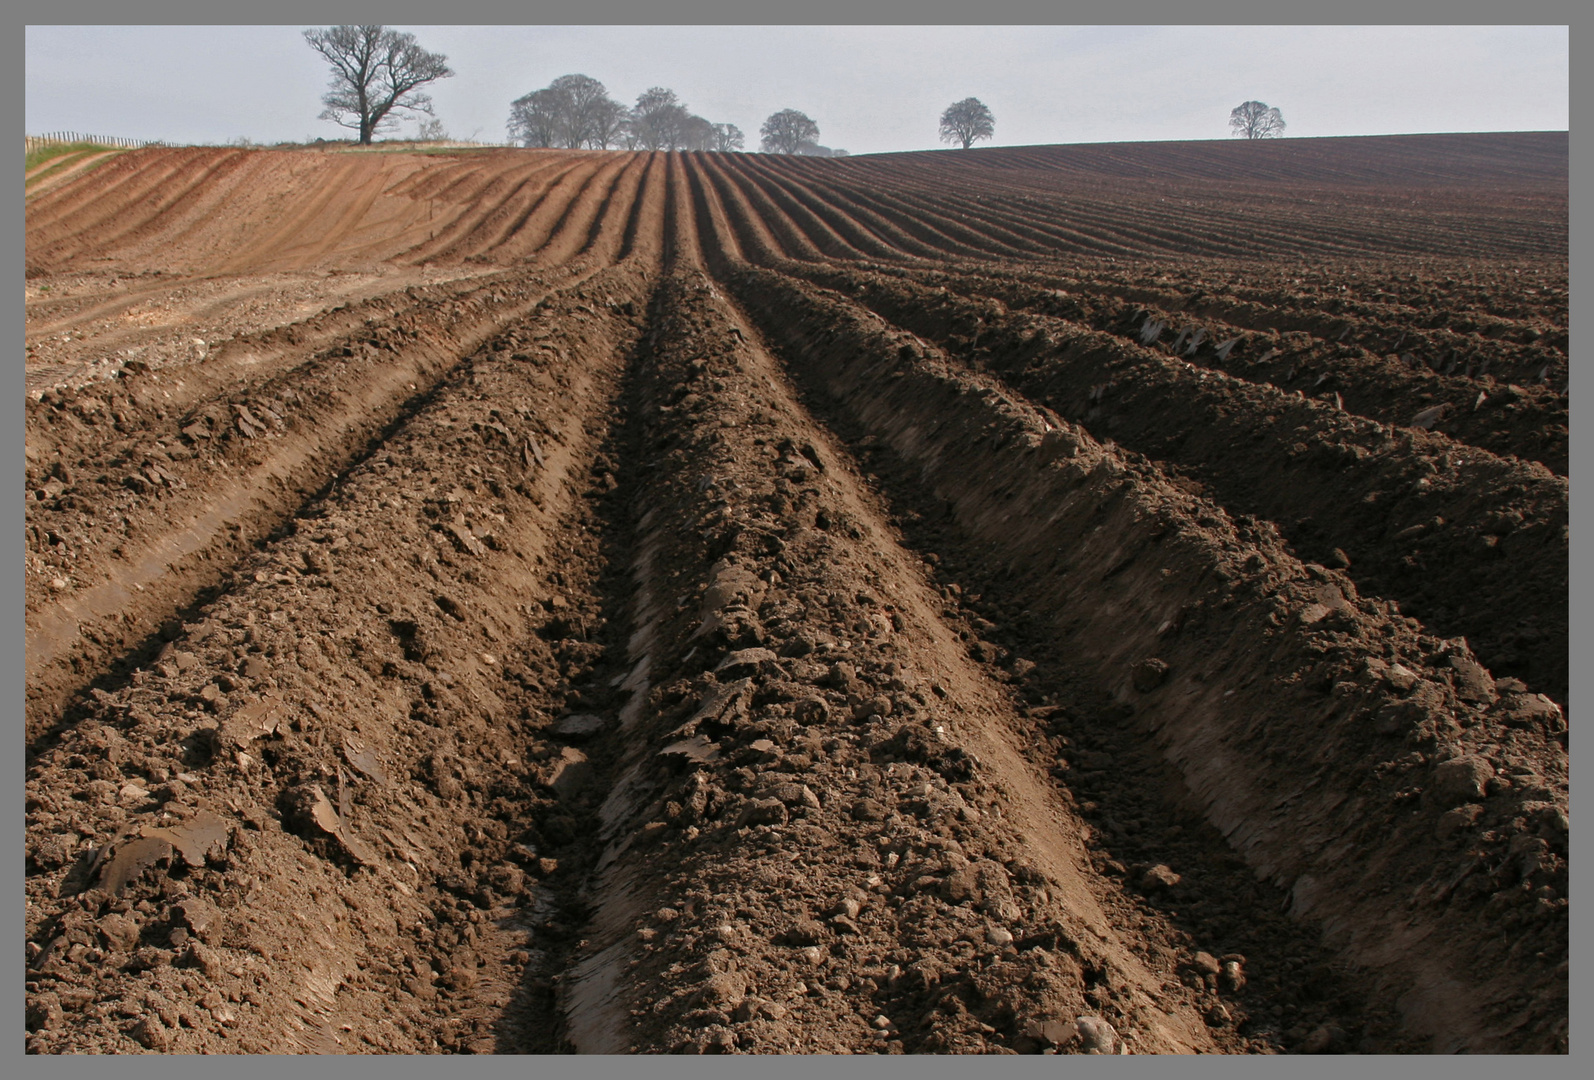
(1047, 600)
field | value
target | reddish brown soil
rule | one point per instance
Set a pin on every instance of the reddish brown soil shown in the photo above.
(529, 602)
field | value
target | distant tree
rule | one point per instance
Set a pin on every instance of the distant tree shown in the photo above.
(375, 71)
(535, 119)
(785, 132)
(967, 120)
(697, 134)
(431, 130)
(658, 122)
(728, 137)
(582, 101)
(608, 125)
(1255, 120)
(573, 111)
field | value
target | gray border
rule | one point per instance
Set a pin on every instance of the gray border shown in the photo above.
(835, 12)
(812, 12)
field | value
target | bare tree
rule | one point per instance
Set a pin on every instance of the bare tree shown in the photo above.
(431, 130)
(967, 120)
(785, 132)
(576, 111)
(608, 125)
(580, 102)
(728, 137)
(375, 71)
(534, 120)
(573, 111)
(1255, 120)
(697, 134)
(659, 119)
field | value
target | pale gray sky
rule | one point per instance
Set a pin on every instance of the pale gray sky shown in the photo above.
(870, 88)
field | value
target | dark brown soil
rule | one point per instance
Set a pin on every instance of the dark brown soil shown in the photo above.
(540, 602)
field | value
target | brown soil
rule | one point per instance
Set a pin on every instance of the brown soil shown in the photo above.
(532, 602)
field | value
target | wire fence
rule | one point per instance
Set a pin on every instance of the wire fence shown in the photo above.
(57, 138)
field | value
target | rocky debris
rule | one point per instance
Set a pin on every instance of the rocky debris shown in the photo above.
(1458, 819)
(1473, 681)
(1401, 677)
(1322, 1040)
(139, 847)
(1097, 1036)
(1158, 879)
(152, 1035)
(1520, 710)
(746, 662)
(309, 809)
(571, 772)
(579, 726)
(1054, 1033)
(120, 933)
(697, 749)
(258, 719)
(1149, 674)
(363, 759)
(1462, 779)
(1428, 417)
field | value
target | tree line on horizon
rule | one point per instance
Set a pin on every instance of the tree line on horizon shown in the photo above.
(377, 73)
(575, 112)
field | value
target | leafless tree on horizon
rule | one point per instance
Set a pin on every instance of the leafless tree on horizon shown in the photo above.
(375, 71)
(573, 112)
(785, 132)
(967, 120)
(659, 120)
(728, 138)
(1256, 120)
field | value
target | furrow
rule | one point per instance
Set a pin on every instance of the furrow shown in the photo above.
(114, 556)
(521, 239)
(1471, 543)
(846, 202)
(819, 835)
(337, 790)
(818, 231)
(1506, 419)
(571, 233)
(755, 240)
(792, 240)
(138, 170)
(864, 242)
(507, 197)
(1297, 709)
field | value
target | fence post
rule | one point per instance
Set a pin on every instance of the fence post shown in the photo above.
(52, 138)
